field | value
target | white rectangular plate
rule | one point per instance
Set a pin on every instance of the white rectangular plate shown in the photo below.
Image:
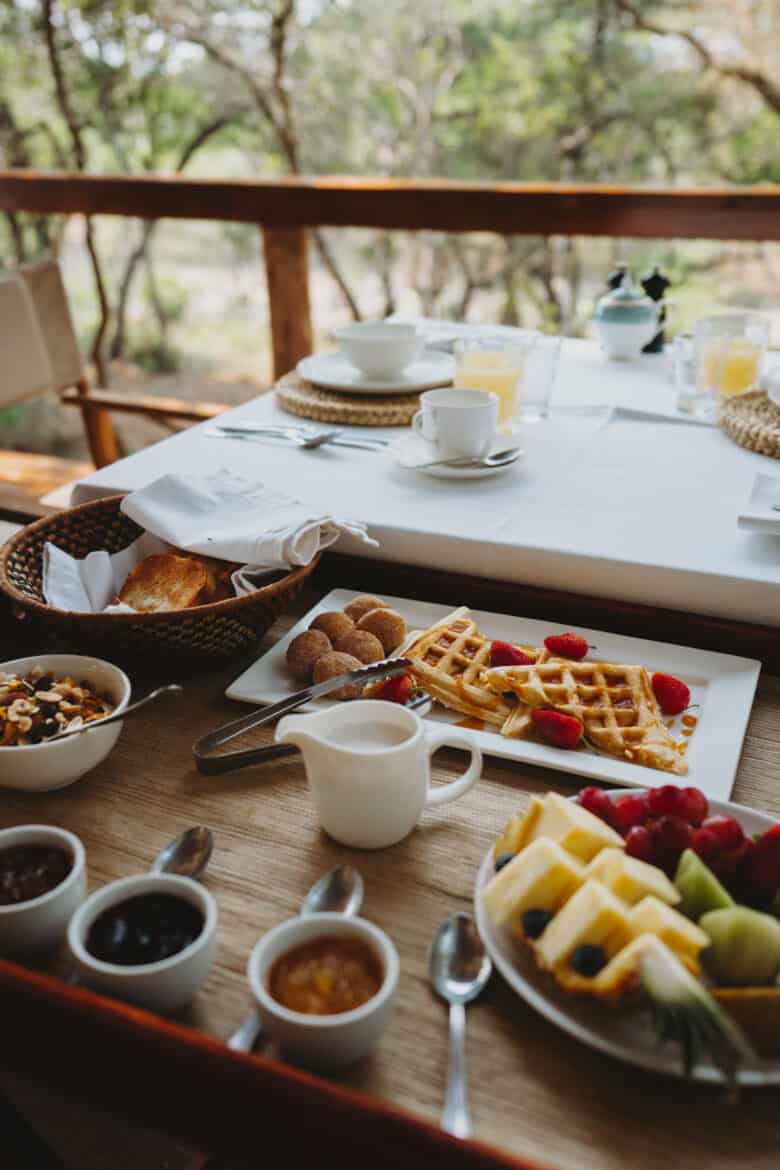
(721, 684)
(760, 514)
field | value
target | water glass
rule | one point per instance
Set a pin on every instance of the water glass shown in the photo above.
(541, 370)
(691, 398)
(729, 351)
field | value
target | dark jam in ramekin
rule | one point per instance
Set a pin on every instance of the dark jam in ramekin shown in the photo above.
(144, 929)
(28, 871)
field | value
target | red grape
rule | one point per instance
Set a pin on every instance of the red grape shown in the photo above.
(596, 801)
(759, 869)
(667, 801)
(671, 835)
(628, 811)
(639, 843)
(705, 843)
(727, 829)
(695, 804)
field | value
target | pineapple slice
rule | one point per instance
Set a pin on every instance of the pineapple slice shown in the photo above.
(591, 916)
(631, 879)
(682, 937)
(541, 877)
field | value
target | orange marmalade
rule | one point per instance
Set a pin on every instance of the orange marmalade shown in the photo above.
(326, 976)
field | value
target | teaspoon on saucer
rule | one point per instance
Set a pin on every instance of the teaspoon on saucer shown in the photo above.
(497, 459)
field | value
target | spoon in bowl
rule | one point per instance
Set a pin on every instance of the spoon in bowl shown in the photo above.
(459, 968)
(130, 709)
(339, 891)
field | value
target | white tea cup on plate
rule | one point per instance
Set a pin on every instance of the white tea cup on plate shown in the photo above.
(459, 423)
(368, 764)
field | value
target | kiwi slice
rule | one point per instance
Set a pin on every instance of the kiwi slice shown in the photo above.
(745, 946)
(698, 887)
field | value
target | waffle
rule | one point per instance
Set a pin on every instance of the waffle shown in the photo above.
(449, 661)
(615, 704)
(573, 868)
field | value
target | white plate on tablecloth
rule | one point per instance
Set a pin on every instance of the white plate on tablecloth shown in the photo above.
(627, 1035)
(762, 511)
(722, 684)
(332, 371)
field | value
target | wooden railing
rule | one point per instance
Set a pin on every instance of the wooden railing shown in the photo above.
(286, 208)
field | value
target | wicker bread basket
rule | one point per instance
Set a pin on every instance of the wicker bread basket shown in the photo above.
(202, 633)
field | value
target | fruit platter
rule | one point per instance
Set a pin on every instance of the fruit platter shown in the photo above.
(645, 925)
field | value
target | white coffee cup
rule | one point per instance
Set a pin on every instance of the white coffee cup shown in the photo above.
(369, 768)
(458, 422)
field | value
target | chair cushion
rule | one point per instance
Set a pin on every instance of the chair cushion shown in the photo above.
(25, 369)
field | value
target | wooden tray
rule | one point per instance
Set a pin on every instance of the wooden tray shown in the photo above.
(537, 1097)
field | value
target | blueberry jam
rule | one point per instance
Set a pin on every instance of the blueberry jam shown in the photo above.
(144, 929)
(28, 871)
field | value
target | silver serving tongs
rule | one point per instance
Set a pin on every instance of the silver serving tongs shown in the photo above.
(213, 765)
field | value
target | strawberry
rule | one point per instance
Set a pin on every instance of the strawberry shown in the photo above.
(394, 690)
(564, 731)
(673, 695)
(502, 654)
(567, 645)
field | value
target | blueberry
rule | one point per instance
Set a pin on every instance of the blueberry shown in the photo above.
(534, 922)
(503, 859)
(588, 960)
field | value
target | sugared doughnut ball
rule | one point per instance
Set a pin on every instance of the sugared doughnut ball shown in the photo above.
(387, 625)
(304, 651)
(361, 644)
(363, 605)
(331, 665)
(334, 623)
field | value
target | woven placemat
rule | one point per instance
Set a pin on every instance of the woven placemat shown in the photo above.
(297, 396)
(754, 422)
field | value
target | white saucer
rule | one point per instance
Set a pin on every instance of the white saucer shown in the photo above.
(409, 450)
(332, 371)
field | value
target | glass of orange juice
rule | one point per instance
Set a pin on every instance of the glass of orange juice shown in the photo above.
(496, 364)
(730, 349)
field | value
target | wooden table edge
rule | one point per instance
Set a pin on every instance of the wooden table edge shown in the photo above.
(192, 1088)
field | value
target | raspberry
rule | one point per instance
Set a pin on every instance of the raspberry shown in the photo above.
(727, 829)
(567, 645)
(564, 731)
(394, 690)
(695, 804)
(639, 843)
(666, 801)
(503, 654)
(673, 695)
(628, 811)
(596, 801)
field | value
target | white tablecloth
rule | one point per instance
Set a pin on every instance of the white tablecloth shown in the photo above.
(636, 509)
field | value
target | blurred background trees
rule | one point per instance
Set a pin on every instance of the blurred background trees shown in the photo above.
(631, 91)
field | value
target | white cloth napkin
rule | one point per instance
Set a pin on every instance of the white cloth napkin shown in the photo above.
(220, 515)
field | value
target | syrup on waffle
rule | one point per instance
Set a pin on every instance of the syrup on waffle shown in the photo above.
(448, 661)
(615, 704)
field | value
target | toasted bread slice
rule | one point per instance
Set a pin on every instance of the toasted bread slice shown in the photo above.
(166, 582)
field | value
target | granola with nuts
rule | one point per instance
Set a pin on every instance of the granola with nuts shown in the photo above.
(36, 706)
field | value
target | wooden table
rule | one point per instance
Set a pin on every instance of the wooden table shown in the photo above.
(535, 1093)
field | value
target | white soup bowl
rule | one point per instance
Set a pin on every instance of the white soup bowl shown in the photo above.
(381, 349)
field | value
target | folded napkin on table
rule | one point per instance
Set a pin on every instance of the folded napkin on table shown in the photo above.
(220, 515)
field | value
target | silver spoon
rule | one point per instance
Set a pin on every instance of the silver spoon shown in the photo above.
(188, 854)
(459, 968)
(497, 459)
(339, 891)
(168, 689)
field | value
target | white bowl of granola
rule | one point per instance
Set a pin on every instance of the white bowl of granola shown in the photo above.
(45, 694)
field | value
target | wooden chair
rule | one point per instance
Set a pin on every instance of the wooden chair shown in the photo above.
(39, 353)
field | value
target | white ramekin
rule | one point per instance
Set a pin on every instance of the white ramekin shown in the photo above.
(40, 923)
(54, 763)
(323, 1042)
(164, 986)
